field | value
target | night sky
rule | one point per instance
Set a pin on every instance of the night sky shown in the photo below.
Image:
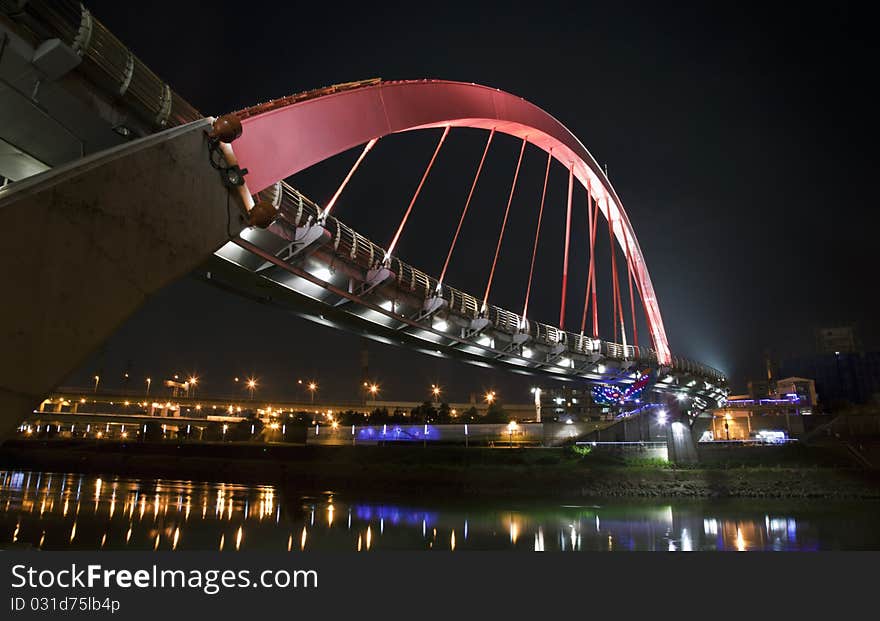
(740, 139)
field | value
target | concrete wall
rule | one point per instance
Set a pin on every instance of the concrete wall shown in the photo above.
(85, 244)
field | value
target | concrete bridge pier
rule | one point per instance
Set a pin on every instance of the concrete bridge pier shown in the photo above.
(680, 445)
(86, 243)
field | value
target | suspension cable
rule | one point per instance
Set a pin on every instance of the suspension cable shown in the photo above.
(593, 268)
(412, 202)
(503, 225)
(326, 211)
(567, 243)
(614, 282)
(618, 294)
(642, 299)
(464, 211)
(537, 233)
(632, 303)
(592, 215)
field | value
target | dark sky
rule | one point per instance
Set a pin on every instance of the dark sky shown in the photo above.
(741, 139)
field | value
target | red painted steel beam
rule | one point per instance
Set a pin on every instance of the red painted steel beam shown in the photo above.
(281, 140)
(567, 244)
(370, 144)
(412, 202)
(537, 234)
(465, 210)
(503, 224)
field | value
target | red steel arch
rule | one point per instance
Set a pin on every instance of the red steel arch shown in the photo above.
(288, 138)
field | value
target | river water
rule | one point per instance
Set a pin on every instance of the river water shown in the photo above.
(54, 511)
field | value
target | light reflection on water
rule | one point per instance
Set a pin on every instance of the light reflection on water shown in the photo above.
(73, 511)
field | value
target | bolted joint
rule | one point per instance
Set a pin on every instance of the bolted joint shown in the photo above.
(226, 128)
(262, 214)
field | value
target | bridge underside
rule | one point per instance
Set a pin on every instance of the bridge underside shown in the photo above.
(330, 274)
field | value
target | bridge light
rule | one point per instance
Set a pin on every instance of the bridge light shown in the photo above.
(527, 353)
(441, 325)
(322, 273)
(681, 397)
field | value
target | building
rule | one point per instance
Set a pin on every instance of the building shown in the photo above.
(841, 378)
(561, 403)
(801, 388)
(840, 340)
(768, 408)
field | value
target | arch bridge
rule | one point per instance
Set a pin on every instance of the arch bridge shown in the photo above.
(157, 191)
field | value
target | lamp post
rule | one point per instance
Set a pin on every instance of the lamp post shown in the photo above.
(435, 391)
(251, 384)
(192, 384)
(511, 427)
(149, 381)
(313, 386)
(374, 389)
(97, 379)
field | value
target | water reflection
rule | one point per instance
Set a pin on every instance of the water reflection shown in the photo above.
(72, 511)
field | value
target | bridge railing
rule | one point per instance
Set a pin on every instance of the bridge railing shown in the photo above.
(106, 62)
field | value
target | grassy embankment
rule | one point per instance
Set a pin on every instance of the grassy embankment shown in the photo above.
(797, 472)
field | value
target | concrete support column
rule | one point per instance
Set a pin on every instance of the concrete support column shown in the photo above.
(86, 243)
(680, 443)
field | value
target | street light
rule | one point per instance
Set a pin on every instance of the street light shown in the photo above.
(97, 379)
(490, 397)
(374, 388)
(192, 382)
(251, 384)
(313, 386)
(148, 386)
(435, 390)
(511, 427)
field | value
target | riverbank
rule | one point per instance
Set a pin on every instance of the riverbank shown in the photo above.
(451, 471)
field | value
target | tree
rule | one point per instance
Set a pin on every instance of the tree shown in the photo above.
(496, 413)
(470, 415)
(378, 416)
(425, 413)
(444, 414)
(350, 417)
